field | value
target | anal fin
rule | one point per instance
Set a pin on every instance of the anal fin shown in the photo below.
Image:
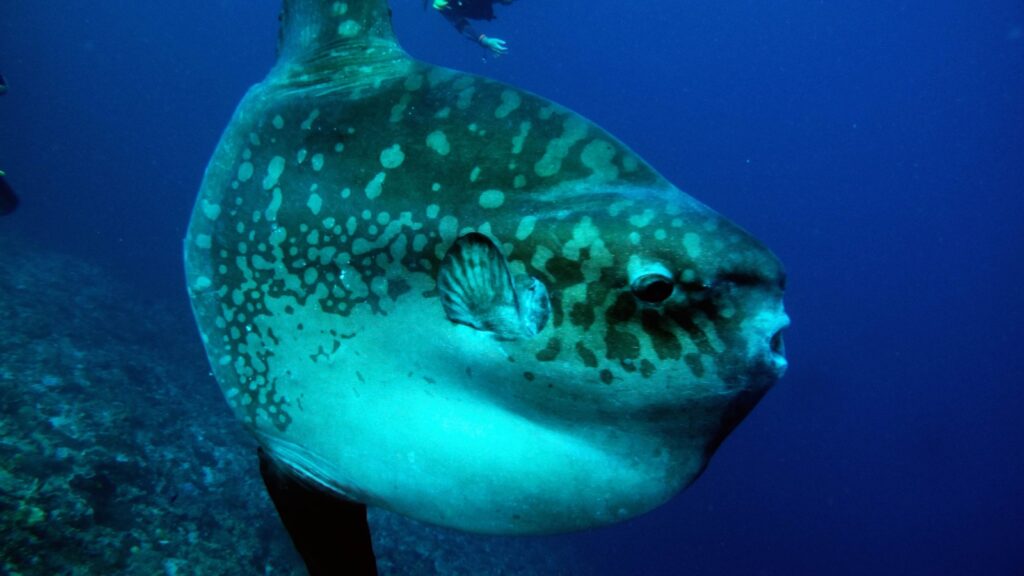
(330, 533)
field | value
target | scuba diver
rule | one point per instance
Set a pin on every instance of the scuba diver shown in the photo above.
(459, 12)
(8, 199)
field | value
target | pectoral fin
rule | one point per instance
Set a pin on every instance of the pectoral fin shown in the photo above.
(476, 286)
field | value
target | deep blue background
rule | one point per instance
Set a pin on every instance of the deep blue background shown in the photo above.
(877, 147)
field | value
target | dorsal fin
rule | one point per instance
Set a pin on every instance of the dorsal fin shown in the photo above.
(321, 40)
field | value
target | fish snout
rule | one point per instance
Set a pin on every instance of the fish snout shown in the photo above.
(777, 346)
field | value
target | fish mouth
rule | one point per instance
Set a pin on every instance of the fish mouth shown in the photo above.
(777, 350)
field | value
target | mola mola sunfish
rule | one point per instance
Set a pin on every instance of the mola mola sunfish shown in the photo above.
(438, 294)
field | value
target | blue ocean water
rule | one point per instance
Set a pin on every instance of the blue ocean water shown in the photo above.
(877, 148)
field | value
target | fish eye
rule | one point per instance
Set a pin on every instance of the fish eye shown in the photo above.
(653, 288)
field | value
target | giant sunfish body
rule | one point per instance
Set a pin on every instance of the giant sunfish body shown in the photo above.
(438, 294)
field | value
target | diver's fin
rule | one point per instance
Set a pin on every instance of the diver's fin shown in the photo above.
(476, 286)
(330, 533)
(8, 199)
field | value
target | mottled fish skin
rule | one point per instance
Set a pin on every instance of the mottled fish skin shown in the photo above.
(312, 259)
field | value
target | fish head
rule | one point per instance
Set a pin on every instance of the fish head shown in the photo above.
(667, 303)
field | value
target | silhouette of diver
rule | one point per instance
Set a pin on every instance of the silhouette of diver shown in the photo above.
(8, 199)
(458, 13)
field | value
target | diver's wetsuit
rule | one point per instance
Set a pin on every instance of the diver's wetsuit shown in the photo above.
(8, 199)
(460, 12)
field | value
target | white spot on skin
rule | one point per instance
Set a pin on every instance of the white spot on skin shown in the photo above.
(475, 174)
(573, 130)
(598, 155)
(274, 171)
(317, 162)
(525, 227)
(438, 142)
(641, 220)
(691, 243)
(465, 98)
(392, 157)
(584, 235)
(448, 228)
(510, 101)
(245, 171)
(301, 156)
(275, 204)
(314, 204)
(414, 82)
(375, 186)
(520, 139)
(519, 181)
(202, 283)
(211, 211)
(278, 122)
(348, 28)
(492, 198)
(307, 124)
(616, 208)
(309, 276)
(398, 110)
(203, 241)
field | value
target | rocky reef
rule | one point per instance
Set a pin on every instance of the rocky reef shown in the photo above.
(118, 454)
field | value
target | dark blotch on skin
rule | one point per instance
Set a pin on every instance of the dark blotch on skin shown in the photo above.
(397, 287)
(606, 376)
(582, 314)
(622, 310)
(587, 355)
(684, 318)
(621, 346)
(647, 368)
(529, 376)
(664, 341)
(566, 272)
(550, 352)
